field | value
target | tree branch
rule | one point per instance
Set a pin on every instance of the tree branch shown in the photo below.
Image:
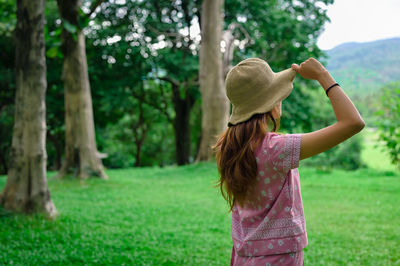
(94, 6)
(170, 80)
(167, 34)
(229, 36)
(150, 102)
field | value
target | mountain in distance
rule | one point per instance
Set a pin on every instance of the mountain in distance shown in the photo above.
(363, 68)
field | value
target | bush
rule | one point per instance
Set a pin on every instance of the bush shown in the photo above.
(346, 155)
(389, 120)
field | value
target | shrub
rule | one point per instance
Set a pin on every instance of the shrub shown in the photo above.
(389, 120)
(346, 155)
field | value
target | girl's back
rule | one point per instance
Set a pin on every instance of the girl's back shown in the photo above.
(273, 221)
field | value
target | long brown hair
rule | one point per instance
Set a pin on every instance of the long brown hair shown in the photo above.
(236, 162)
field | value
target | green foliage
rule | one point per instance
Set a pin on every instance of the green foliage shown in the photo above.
(389, 120)
(346, 156)
(174, 216)
(135, 44)
(282, 32)
(8, 19)
(55, 88)
(52, 31)
(69, 27)
(123, 86)
(306, 109)
(119, 140)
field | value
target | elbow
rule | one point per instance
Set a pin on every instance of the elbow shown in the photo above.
(358, 125)
(353, 126)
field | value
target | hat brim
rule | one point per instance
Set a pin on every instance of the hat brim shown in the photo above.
(282, 85)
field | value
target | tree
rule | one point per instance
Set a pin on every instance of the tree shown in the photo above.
(165, 28)
(128, 125)
(164, 32)
(215, 105)
(81, 155)
(183, 84)
(389, 120)
(26, 188)
(164, 37)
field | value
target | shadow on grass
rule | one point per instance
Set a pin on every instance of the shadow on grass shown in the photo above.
(5, 213)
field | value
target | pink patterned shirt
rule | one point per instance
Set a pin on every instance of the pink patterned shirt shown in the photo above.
(272, 223)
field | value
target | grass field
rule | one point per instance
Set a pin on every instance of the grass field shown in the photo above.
(174, 216)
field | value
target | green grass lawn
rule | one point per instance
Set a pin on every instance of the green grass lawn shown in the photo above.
(174, 216)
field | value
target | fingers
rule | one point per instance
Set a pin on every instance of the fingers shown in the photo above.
(309, 60)
(295, 67)
(309, 69)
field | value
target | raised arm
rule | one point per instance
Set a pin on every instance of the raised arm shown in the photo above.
(349, 121)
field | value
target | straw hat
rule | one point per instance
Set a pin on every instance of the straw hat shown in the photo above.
(253, 88)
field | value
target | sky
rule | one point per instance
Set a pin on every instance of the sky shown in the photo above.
(360, 21)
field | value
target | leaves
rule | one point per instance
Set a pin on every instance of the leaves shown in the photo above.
(389, 120)
(53, 52)
(155, 42)
(69, 27)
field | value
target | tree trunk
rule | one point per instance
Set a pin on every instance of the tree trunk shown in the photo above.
(26, 188)
(182, 132)
(181, 122)
(58, 147)
(3, 162)
(139, 130)
(81, 155)
(228, 38)
(215, 105)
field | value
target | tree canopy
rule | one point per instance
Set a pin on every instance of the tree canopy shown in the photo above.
(143, 65)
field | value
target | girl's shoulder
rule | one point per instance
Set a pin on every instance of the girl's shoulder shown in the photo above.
(280, 149)
(274, 140)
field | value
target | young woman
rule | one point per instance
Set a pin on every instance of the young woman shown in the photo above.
(258, 167)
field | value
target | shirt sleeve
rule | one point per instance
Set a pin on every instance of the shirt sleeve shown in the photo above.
(284, 151)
